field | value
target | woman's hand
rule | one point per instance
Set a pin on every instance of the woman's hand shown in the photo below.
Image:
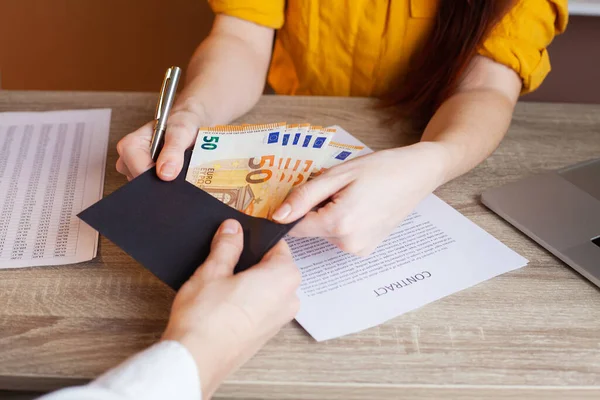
(370, 196)
(224, 319)
(216, 91)
(134, 149)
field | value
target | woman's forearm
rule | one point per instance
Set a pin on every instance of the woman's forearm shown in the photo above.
(469, 126)
(227, 73)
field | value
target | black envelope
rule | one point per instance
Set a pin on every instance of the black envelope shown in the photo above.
(168, 226)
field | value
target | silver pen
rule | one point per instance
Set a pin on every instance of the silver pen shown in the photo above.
(163, 108)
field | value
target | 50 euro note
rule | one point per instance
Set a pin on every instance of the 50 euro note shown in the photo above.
(337, 153)
(236, 165)
(315, 141)
(242, 166)
(305, 152)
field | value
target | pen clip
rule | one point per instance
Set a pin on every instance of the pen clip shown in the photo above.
(163, 90)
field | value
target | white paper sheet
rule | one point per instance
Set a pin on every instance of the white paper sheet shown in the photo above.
(435, 252)
(51, 167)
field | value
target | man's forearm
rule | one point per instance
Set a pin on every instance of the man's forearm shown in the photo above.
(164, 371)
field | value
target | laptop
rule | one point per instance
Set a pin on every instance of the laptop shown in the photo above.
(560, 210)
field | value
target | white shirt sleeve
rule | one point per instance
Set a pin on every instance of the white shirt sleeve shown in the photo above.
(166, 370)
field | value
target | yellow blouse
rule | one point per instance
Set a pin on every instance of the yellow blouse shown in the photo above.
(356, 47)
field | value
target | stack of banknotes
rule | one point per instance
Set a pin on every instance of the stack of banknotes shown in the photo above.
(252, 168)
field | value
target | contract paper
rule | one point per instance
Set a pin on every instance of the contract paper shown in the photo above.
(51, 167)
(435, 252)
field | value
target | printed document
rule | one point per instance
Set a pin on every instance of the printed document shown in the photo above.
(435, 252)
(51, 167)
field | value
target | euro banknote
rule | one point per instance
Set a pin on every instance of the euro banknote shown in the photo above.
(253, 168)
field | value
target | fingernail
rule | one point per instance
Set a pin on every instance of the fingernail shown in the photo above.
(229, 227)
(282, 212)
(168, 169)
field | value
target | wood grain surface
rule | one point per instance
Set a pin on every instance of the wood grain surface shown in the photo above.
(533, 333)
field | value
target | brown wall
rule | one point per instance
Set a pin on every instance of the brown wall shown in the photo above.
(97, 45)
(575, 58)
(127, 45)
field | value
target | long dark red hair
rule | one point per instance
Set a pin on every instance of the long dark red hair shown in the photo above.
(460, 28)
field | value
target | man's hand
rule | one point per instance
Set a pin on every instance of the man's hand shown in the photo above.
(224, 319)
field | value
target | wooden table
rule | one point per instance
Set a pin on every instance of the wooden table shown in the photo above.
(534, 332)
